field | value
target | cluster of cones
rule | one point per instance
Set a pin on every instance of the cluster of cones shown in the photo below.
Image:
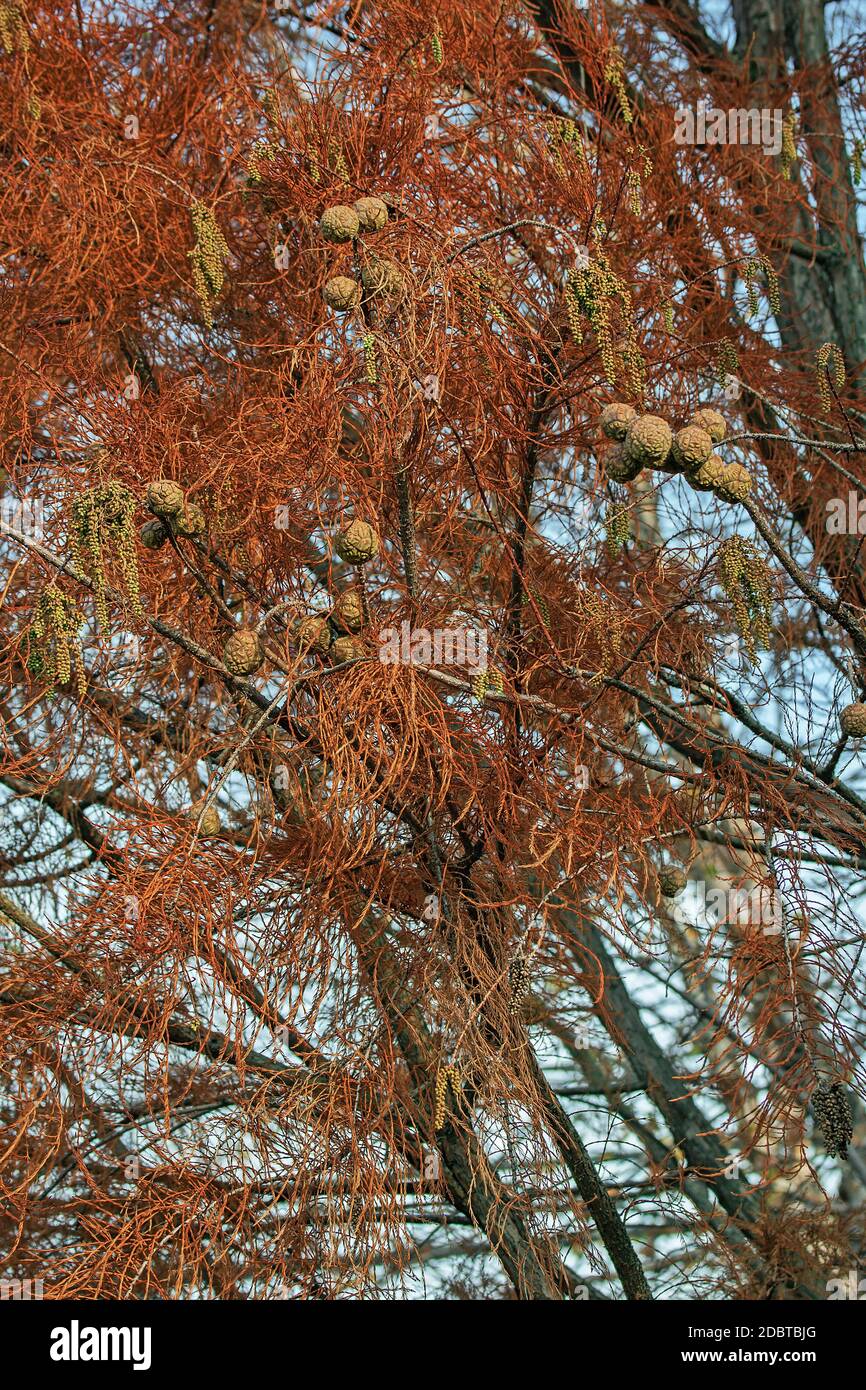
(333, 635)
(647, 441)
(173, 515)
(379, 276)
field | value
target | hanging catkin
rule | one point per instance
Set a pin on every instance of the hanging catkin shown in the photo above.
(13, 31)
(53, 638)
(833, 1113)
(519, 981)
(727, 362)
(445, 1077)
(746, 580)
(789, 144)
(756, 266)
(617, 527)
(102, 520)
(592, 292)
(829, 362)
(614, 74)
(208, 258)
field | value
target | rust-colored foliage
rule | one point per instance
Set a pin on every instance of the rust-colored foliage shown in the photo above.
(337, 958)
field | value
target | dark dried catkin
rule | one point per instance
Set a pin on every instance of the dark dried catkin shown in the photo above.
(833, 1114)
(519, 981)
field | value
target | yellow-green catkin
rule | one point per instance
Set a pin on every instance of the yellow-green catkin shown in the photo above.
(477, 291)
(591, 292)
(261, 151)
(102, 519)
(484, 681)
(633, 186)
(436, 47)
(271, 103)
(607, 628)
(636, 176)
(487, 294)
(749, 277)
(563, 134)
(633, 363)
(727, 361)
(13, 31)
(572, 308)
(617, 527)
(745, 578)
(857, 162)
(312, 164)
(614, 74)
(208, 258)
(668, 317)
(52, 640)
(829, 361)
(572, 138)
(789, 143)
(554, 145)
(772, 280)
(371, 360)
(759, 265)
(540, 603)
(337, 160)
